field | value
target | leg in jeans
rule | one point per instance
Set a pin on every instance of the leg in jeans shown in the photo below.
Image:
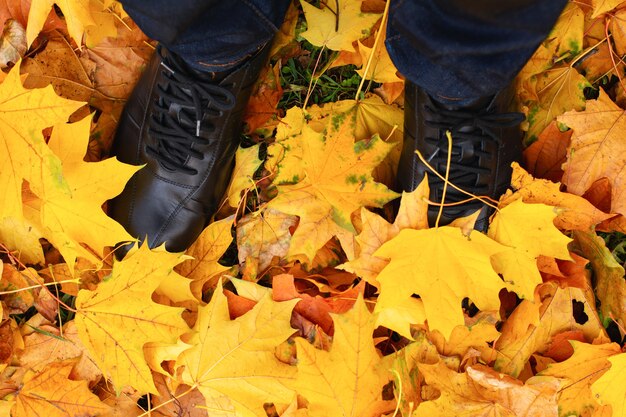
(211, 35)
(459, 57)
(459, 50)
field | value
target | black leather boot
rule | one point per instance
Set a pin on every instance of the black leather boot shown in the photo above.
(185, 126)
(485, 141)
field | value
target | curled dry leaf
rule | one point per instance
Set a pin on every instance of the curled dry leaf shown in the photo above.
(480, 391)
(20, 297)
(532, 325)
(316, 309)
(261, 236)
(609, 277)
(12, 43)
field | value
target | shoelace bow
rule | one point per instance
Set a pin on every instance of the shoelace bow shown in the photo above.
(199, 99)
(469, 129)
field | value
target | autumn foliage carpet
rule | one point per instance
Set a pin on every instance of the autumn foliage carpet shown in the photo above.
(308, 295)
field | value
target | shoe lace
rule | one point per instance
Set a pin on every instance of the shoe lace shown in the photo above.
(181, 117)
(472, 130)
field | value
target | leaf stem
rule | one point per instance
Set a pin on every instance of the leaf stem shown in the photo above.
(445, 181)
(612, 54)
(32, 287)
(171, 400)
(311, 83)
(397, 374)
(383, 26)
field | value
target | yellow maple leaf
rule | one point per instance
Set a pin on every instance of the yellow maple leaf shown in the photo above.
(23, 238)
(337, 29)
(348, 380)
(529, 231)
(375, 231)
(285, 154)
(558, 90)
(581, 370)
(603, 6)
(24, 154)
(338, 181)
(574, 212)
(609, 388)
(246, 163)
(5, 406)
(372, 116)
(51, 393)
(568, 31)
(77, 15)
(232, 362)
(442, 266)
(117, 319)
(104, 23)
(382, 70)
(67, 220)
(206, 251)
(596, 149)
(480, 391)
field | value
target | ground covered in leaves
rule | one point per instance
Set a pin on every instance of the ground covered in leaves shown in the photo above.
(309, 295)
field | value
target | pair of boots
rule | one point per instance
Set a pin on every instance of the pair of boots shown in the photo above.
(185, 125)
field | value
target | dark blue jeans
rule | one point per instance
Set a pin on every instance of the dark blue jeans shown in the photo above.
(457, 50)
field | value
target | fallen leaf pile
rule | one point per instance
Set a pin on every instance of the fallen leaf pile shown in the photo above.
(316, 290)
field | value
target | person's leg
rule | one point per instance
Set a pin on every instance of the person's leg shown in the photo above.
(459, 58)
(183, 121)
(211, 35)
(459, 50)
